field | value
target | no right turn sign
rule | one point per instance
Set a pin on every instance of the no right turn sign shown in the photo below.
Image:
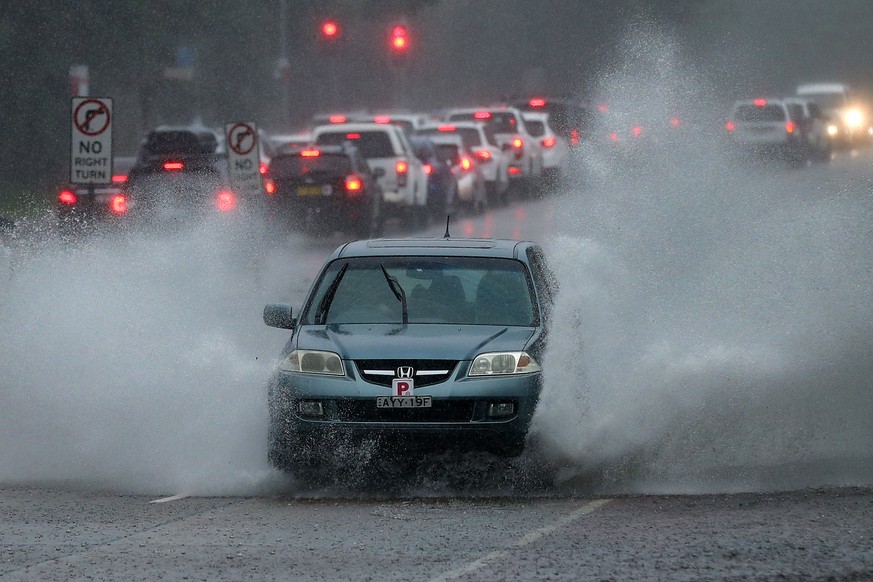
(91, 152)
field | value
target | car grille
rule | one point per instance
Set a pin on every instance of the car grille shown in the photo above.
(427, 372)
(442, 410)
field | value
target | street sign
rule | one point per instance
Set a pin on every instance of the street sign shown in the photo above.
(243, 157)
(91, 151)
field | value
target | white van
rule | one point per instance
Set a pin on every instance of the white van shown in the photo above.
(847, 121)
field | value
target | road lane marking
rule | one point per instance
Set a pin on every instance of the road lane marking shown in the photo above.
(168, 499)
(525, 540)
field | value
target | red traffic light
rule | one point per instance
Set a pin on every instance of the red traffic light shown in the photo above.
(399, 38)
(330, 29)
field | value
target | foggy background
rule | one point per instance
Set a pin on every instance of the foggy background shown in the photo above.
(462, 53)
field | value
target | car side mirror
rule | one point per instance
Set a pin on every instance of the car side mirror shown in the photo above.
(279, 315)
(379, 172)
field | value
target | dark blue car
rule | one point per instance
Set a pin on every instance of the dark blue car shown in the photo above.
(412, 343)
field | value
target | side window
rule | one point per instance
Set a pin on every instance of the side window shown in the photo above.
(406, 147)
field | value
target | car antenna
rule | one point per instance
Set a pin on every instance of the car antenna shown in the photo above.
(448, 218)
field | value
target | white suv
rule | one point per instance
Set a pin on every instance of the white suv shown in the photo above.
(391, 157)
(492, 160)
(765, 127)
(509, 130)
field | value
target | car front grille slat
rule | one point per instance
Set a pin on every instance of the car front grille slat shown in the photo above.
(427, 372)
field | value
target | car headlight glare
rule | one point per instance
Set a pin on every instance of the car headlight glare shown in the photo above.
(503, 363)
(854, 118)
(313, 362)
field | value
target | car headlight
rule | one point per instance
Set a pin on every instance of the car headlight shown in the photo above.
(833, 130)
(503, 363)
(313, 362)
(854, 118)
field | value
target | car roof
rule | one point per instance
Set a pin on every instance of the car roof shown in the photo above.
(769, 101)
(462, 124)
(535, 116)
(356, 127)
(447, 139)
(424, 246)
(822, 88)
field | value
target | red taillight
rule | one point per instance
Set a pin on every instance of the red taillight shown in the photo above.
(446, 128)
(513, 171)
(67, 197)
(483, 155)
(337, 118)
(428, 169)
(310, 153)
(118, 204)
(270, 187)
(536, 102)
(173, 166)
(466, 163)
(262, 168)
(675, 121)
(548, 142)
(482, 115)
(613, 136)
(354, 184)
(730, 126)
(789, 127)
(518, 146)
(760, 102)
(637, 131)
(353, 136)
(402, 169)
(602, 107)
(382, 119)
(574, 137)
(225, 201)
(119, 178)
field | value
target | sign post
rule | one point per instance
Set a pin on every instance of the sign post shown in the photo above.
(243, 157)
(91, 151)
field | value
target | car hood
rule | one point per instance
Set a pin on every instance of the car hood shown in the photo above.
(430, 341)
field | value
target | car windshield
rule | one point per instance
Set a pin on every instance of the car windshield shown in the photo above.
(371, 144)
(535, 128)
(453, 290)
(827, 100)
(298, 165)
(755, 113)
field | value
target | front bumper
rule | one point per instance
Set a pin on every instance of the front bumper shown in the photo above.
(458, 418)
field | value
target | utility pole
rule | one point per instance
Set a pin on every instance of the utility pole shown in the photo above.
(284, 67)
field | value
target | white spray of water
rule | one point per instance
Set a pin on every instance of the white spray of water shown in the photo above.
(715, 326)
(137, 364)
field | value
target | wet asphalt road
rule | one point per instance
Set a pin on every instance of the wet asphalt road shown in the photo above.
(48, 534)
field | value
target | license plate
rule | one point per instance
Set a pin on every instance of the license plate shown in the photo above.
(403, 402)
(314, 190)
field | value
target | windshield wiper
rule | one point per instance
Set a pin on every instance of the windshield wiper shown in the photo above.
(321, 313)
(399, 293)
